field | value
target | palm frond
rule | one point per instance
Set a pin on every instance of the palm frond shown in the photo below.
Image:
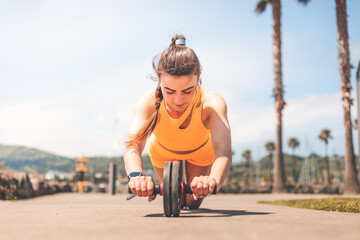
(325, 135)
(293, 143)
(246, 154)
(261, 6)
(304, 1)
(270, 146)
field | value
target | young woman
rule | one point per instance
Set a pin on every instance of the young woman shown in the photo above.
(185, 121)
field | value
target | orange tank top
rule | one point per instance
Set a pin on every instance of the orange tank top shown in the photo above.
(170, 136)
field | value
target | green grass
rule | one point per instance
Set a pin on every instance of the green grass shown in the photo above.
(326, 204)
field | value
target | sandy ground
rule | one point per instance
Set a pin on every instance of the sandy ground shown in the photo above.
(101, 216)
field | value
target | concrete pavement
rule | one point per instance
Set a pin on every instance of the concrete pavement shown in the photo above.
(101, 216)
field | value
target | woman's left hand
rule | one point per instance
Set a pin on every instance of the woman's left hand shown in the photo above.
(202, 186)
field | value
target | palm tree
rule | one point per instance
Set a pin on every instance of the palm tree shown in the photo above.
(270, 147)
(293, 144)
(247, 156)
(351, 181)
(324, 136)
(358, 107)
(279, 184)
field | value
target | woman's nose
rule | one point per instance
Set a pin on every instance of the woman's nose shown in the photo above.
(179, 99)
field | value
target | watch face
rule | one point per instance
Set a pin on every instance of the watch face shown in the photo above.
(135, 174)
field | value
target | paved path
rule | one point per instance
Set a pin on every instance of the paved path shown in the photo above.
(101, 216)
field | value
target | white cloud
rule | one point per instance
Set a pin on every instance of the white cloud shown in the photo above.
(89, 120)
(303, 117)
(64, 129)
(312, 108)
(248, 127)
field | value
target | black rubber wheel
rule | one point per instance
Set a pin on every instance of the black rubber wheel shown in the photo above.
(176, 178)
(167, 189)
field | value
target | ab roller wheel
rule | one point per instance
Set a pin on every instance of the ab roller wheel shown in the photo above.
(172, 189)
(176, 178)
(167, 189)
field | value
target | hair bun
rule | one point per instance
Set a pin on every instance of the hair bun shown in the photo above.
(178, 40)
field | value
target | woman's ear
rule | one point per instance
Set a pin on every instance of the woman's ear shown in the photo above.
(199, 81)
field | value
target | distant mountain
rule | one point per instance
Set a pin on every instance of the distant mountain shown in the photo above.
(34, 160)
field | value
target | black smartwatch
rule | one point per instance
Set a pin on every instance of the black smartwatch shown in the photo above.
(135, 174)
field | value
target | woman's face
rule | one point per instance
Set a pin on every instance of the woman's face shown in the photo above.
(178, 92)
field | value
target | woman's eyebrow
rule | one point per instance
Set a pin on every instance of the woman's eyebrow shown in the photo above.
(169, 89)
(187, 89)
(181, 90)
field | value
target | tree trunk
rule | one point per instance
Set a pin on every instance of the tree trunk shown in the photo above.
(279, 178)
(327, 166)
(270, 169)
(328, 176)
(351, 181)
(294, 167)
(358, 115)
(247, 172)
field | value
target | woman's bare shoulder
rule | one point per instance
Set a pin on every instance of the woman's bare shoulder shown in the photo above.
(214, 101)
(145, 104)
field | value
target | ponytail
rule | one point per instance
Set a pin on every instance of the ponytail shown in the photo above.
(150, 124)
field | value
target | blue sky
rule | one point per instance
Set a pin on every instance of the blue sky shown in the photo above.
(71, 71)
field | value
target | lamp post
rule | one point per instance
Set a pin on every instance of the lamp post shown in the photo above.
(358, 109)
(81, 167)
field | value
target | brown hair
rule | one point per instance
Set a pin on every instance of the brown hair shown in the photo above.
(177, 60)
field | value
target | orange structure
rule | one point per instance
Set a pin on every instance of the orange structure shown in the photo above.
(81, 166)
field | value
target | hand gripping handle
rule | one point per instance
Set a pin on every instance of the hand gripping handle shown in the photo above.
(186, 189)
(157, 189)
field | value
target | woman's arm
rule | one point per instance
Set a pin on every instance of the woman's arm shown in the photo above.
(144, 108)
(221, 138)
(140, 186)
(216, 120)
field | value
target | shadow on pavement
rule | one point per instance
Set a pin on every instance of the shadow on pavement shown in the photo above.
(205, 212)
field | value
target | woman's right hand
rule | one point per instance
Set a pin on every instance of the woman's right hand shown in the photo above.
(142, 187)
